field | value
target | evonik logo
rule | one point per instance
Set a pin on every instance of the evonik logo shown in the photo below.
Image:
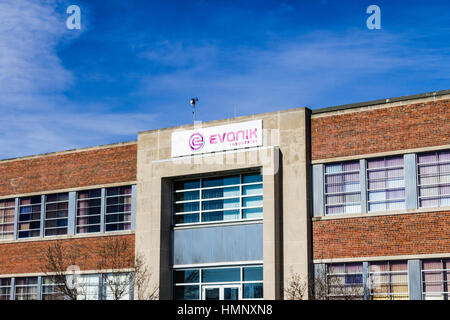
(196, 141)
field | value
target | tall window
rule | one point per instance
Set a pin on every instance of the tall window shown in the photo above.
(234, 197)
(7, 209)
(116, 286)
(5, 289)
(434, 179)
(118, 209)
(89, 211)
(26, 288)
(342, 188)
(345, 281)
(88, 285)
(436, 279)
(56, 214)
(389, 280)
(386, 184)
(51, 290)
(30, 217)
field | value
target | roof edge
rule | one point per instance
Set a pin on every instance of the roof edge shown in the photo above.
(380, 101)
(56, 153)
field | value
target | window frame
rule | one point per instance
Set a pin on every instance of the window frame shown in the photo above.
(130, 212)
(390, 283)
(201, 200)
(19, 222)
(438, 185)
(346, 286)
(343, 193)
(55, 219)
(241, 282)
(78, 200)
(4, 224)
(445, 272)
(385, 168)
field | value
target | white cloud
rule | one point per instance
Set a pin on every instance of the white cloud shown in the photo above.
(35, 115)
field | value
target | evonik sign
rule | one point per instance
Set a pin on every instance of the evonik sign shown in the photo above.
(214, 139)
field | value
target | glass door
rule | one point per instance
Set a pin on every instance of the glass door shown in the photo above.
(221, 292)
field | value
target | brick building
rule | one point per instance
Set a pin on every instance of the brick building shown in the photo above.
(232, 209)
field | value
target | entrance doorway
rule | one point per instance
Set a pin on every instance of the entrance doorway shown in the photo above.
(221, 292)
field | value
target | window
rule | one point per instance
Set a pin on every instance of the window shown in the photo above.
(386, 184)
(116, 283)
(188, 283)
(389, 280)
(345, 281)
(435, 278)
(56, 214)
(234, 197)
(7, 210)
(5, 289)
(50, 290)
(89, 211)
(342, 188)
(87, 287)
(434, 179)
(26, 288)
(118, 209)
(30, 217)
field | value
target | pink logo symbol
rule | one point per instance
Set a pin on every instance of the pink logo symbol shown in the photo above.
(196, 141)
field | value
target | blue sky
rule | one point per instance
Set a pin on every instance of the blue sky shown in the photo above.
(134, 64)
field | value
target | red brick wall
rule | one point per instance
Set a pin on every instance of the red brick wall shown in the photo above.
(71, 170)
(402, 234)
(28, 257)
(387, 129)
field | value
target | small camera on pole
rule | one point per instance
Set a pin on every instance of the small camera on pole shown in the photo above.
(193, 101)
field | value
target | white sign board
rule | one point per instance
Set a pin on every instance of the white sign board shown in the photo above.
(213, 139)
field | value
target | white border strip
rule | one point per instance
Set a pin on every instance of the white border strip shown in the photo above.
(216, 264)
(384, 258)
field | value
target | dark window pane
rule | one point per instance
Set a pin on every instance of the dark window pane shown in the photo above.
(186, 276)
(253, 274)
(222, 181)
(253, 290)
(251, 178)
(186, 196)
(186, 292)
(221, 275)
(187, 207)
(187, 218)
(220, 215)
(184, 185)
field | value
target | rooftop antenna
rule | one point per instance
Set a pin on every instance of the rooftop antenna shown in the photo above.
(193, 101)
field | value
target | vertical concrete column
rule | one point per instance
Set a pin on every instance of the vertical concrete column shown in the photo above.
(102, 210)
(72, 215)
(13, 289)
(366, 280)
(131, 289)
(296, 195)
(363, 184)
(133, 207)
(414, 280)
(101, 296)
(318, 190)
(410, 181)
(39, 288)
(16, 219)
(271, 235)
(42, 216)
